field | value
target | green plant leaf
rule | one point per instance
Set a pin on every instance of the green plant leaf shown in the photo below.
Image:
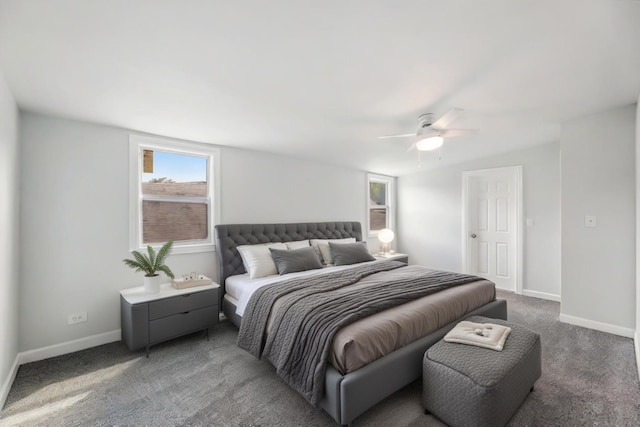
(151, 262)
(152, 257)
(133, 264)
(163, 253)
(145, 265)
(166, 270)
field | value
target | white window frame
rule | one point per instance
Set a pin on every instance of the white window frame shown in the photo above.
(138, 143)
(390, 199)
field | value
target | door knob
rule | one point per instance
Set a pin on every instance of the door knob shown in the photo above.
(473, 236)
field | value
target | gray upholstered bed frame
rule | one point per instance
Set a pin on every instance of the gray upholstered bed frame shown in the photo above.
(346, 396)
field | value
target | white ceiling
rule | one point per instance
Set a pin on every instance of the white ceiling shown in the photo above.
(321, 80)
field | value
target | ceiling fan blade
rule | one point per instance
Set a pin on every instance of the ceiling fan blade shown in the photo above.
(447, 133)
(446, 120)
(397, 136)
(428, 132)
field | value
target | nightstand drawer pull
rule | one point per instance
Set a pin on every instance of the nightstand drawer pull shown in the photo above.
(182, 323)
(179, 304)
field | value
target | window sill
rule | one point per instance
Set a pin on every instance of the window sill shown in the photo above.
(187, 249)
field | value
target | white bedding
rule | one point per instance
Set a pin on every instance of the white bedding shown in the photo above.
(241, 287)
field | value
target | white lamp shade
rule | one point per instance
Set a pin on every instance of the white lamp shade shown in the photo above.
(429, 144)
(385, 235)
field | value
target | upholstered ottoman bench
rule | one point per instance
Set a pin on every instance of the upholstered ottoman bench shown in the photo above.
(466, 385)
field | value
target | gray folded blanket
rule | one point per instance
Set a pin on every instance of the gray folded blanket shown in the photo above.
(486, 335)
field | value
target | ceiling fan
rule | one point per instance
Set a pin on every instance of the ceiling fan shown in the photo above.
(430, 134)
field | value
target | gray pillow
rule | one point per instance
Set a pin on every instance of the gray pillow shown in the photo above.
(290, 261)
(350, 253)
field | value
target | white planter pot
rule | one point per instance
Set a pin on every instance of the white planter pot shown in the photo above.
(152, 284)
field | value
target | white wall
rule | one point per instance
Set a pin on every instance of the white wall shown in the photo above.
(430, 215)
(9, 242)
(637, 334)
(598, 178)
(75, 219)
(259, 187)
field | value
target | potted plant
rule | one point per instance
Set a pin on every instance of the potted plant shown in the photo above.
(151, 263)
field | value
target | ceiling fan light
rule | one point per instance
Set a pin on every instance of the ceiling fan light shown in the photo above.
(428, 144)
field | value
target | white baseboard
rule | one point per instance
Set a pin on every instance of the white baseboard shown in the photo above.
(68, 347)
(8, 382)
(637, 345)
(598, 326)
(542, 295)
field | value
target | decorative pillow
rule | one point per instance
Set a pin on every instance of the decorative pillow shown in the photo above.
(257, 259)
(290, 261)
(350, 253)
(298, 244)
(322, 247)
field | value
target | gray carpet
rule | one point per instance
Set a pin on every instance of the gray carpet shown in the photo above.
(589, 378)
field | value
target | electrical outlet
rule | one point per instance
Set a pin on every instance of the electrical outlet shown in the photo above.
(77, 318)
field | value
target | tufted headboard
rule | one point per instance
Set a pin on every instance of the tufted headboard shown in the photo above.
(228, 236)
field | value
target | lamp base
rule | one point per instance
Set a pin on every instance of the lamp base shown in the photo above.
(389, 254)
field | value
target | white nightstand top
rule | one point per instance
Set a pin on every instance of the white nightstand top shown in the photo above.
(137, 295)
(390, 255)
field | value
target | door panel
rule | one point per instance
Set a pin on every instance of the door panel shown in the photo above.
(502, 260)
(502, 215)
(483, 215)
(483, 257)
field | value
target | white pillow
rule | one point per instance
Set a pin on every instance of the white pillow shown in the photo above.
(322, 247)
(257, 259)
(298, 244)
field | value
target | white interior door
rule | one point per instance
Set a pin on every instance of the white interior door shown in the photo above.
(493, 205)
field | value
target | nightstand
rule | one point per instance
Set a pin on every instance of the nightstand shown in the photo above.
(396, 256)
(148, 319)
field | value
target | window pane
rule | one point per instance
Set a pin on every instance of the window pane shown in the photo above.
(175, 188)
(163, 221)
(176, 175)
(378, 193)
(378, 219)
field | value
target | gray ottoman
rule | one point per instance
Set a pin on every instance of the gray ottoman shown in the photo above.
(465, 385)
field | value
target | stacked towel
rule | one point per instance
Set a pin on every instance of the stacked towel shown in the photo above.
(487, 335)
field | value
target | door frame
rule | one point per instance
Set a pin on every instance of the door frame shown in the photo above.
(516, 172)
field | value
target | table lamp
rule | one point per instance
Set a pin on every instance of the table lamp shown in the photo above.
(386, 237)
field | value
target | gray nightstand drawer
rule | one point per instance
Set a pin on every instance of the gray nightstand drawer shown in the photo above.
(180, 324)
(182, 303)
(394, 257)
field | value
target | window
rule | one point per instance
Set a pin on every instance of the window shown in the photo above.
(380, 203)
(173, 193)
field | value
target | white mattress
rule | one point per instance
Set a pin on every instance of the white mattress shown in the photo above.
(233, 285)
(231, 299)
(240, 287)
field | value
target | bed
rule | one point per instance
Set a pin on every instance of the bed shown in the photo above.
(347, 393)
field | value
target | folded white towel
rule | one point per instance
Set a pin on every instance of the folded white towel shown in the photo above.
(487, 335)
